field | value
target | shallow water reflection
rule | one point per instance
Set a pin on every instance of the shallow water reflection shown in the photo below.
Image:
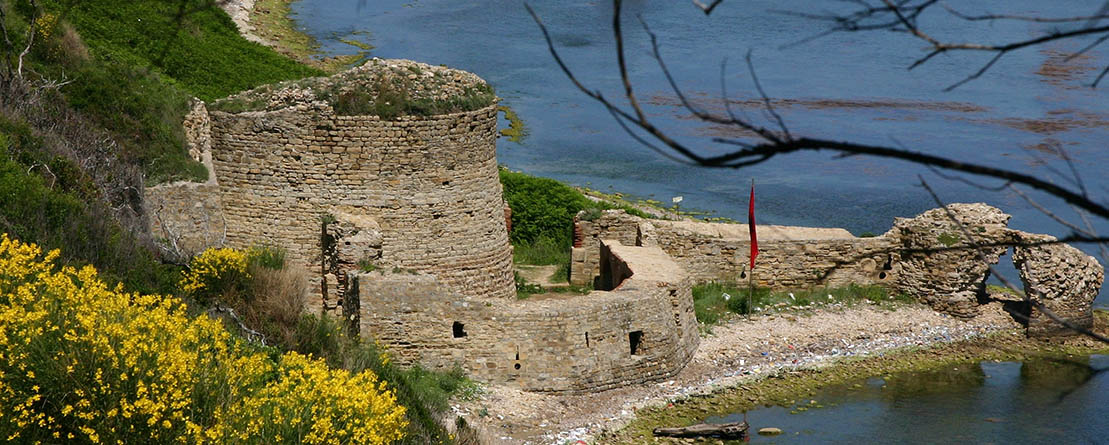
(1059, 401)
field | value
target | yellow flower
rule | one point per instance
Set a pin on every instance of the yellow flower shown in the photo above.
(134, 366)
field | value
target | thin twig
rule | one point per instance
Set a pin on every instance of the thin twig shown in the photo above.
(1023, 17)
(709, 7)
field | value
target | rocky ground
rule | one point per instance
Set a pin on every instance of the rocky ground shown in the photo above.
(738, 352)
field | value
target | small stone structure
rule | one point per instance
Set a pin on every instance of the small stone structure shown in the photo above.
(940, 257)
(640, 328)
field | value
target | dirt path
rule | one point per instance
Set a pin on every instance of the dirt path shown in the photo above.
(738, 352)
(538, 274)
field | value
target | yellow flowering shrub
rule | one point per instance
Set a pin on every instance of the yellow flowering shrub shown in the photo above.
(216, 273)
(313, 404)
(80, 361)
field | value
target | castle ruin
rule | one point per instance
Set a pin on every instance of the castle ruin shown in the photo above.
(399, 220)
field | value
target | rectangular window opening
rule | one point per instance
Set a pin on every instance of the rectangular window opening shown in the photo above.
(635, 340)
(458, 330)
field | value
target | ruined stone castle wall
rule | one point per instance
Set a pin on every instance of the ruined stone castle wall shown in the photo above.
(642, 330)
(789, 257)
(425, 190)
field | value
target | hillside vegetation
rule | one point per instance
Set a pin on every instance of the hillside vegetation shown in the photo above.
(89, 115)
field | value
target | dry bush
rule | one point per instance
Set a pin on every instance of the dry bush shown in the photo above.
(72, 46)
(278, 302)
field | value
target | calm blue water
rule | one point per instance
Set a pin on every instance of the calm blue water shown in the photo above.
(1023, 103)
(1035, 402)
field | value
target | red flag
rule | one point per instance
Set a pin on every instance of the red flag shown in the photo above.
(751, 224)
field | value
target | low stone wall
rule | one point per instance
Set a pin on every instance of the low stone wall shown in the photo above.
(940, 257)
(789, 257)
(642, 330)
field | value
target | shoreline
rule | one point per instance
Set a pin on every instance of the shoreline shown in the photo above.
(267, 23)
(730, 371)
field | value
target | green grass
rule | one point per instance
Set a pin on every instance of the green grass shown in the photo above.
(948, 239)
(543, 251)
(192, 42)
(133, 67)
(715, 302)
(524, 289)
(516, 131)
(386, 92)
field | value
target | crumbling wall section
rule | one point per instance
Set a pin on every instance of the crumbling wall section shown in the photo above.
(789, 257)
(1063, 279)
(643, 331)
(946, 254)
(185, 218)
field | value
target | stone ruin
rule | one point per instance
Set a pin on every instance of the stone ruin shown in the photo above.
(402, 225)
(337, 190)
(417, 201)
(941, 257)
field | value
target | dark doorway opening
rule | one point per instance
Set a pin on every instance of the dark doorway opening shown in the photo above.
(635, 340)
(459, 330)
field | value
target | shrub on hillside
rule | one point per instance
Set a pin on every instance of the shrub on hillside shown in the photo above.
(82, 361)
(216, 274)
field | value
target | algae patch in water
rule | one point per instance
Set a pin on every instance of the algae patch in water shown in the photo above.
(516, 131)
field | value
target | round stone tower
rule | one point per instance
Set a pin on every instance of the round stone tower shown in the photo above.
(388, 165)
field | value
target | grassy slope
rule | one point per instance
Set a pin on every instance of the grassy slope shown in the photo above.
(132, 71)
(62, 212)
(146, 60)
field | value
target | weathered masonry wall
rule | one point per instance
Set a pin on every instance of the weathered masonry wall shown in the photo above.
(642, 330)
(427, 188)
(935, 257)
(789, 257)
(186, 217)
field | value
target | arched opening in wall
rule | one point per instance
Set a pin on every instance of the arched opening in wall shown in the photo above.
(635, 341)
(459, 330)
(994, 289)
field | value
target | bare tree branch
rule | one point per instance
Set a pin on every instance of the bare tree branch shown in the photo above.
(756, 153)
(1026, 18)
(709, 7)
(905, 16)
